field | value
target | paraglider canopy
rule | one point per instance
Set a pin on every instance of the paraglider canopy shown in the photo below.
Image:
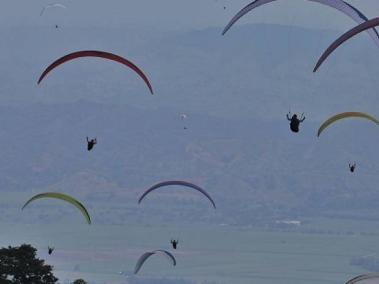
(63, 197)
(339, 5)
(55, 5)
(177, 182)
(183, 116)
(363, 277)
(346, 36)
(100, 54)
(146, 255)
(344, 115)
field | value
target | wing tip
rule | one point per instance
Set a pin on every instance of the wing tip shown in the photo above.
(39, 80)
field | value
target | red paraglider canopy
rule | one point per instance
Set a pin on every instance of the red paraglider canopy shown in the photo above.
(95, 53)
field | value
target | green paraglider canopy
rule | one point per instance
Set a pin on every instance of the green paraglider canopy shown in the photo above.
(63, 197)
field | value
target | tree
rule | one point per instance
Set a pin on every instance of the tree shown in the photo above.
(79, 281)
(19, 265)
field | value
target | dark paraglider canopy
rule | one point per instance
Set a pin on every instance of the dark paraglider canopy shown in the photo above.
(346, 36)
(363, 277)
(146, 255)
(339, 5)
(177, 182)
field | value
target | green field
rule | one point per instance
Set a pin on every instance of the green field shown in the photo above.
(223, 254)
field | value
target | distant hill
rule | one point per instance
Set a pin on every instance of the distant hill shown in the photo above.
(256, 170)
(236, 91)
(255, 71)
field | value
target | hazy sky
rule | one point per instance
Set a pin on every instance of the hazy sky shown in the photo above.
(178, 14)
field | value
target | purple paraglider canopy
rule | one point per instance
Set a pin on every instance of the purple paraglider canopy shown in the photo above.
(346, 36)
(177, 182)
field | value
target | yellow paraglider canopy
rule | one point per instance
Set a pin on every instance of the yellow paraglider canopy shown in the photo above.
(344, 115)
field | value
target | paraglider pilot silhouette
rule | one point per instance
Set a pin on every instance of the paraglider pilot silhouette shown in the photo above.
(174, 243)
(91, 143)
(50, 250)
(352, 167)
(295, 122)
